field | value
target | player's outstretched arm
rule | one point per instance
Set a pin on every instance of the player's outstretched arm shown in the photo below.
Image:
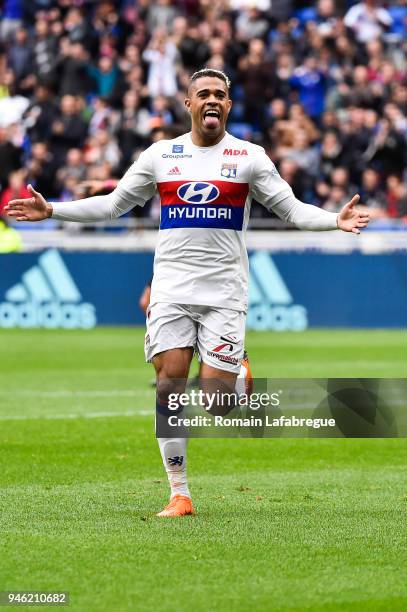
(88, 210)
(29, 209)
(352, 219)
(312, 218)
(134, 189)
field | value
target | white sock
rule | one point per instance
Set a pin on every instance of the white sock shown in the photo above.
(174, 455)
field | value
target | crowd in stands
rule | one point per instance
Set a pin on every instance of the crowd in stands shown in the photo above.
(86, 85)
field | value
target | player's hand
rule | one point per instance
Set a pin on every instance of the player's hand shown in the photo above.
(352, 219)
(29, 209)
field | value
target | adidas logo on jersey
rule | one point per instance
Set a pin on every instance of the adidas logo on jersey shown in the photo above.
(47, 296)
(174, 171)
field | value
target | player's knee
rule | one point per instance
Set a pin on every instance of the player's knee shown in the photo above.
(169, 387)
(221, 408)
(219, 396)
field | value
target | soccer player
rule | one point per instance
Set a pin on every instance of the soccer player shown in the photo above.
(206, 179)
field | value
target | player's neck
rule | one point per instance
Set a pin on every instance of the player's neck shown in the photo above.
(199, 140)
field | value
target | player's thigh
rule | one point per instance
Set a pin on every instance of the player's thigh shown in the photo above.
(170, 340)
(172, 368)
(173, 363)
(221, 347)
(169, 326)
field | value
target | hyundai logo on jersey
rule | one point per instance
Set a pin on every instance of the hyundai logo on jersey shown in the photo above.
(177, 148)
(202, 204)
(198, 193)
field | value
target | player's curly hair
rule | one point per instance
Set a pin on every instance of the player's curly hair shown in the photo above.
(210, 72)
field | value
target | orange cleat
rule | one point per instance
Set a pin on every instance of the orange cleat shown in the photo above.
(179, 505)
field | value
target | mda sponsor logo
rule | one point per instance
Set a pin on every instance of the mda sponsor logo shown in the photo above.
(271, 305)
(47, 296)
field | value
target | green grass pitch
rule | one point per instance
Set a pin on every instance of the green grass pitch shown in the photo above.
(282, 524)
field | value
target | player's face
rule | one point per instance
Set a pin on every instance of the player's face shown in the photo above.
(209, 105)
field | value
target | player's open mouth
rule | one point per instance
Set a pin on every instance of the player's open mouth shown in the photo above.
(211, 119)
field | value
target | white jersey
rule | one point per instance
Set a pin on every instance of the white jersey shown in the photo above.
(206, 193)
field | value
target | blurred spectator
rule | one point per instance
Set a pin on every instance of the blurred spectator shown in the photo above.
(303, 153)
(340, 178)
(11, 19)
(102, 116)
(16, 188)
(368, 20)
(68, 130)
(291, 172)
(160, 14)
(326, 18)
(45, 51)
(332, 154)
(102, 149)
(337, 198)
(20, 55)
(396, 196)
(309, 80)
(10, 156)
(74, 167)
(75, 26)
(40, 115)
(256, 76)
(386, 148)
(105, 75)
(12, 106)
(372, 194)
(132, 127)
(41, 169)
(72, 70)
(250, 22)
(161, 55)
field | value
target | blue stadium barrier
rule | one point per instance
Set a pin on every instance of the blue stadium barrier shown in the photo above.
(288, 291)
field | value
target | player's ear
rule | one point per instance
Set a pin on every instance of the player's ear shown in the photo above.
(187, 103)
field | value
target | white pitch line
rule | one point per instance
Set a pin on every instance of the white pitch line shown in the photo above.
(68, 393)
(89, 415)
(129, 413)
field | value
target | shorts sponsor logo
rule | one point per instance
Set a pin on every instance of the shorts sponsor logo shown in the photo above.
(221, 351)
(198, 193)
(240, 152)
(271, 305)
(225, 358)
(228, 342)
(47, 296)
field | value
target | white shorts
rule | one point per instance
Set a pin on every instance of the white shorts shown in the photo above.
(217, 334)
